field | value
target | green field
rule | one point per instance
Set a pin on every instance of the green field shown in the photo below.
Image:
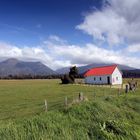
(24, 98)
(107, 114)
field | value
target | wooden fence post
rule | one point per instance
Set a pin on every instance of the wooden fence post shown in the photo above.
(46, 105)
(122, 86)
(126, 88)
(81, 96)
(119, 91)
(66, 101)
(94, 94)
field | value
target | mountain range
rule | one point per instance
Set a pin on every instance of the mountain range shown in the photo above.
(83, 69)
(126, 70)
(14, 66)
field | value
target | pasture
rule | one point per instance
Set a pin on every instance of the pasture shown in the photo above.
(107, 115)
(24, 98)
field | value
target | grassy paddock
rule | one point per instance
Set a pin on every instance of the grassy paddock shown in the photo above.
(106, 116)
(23, 98)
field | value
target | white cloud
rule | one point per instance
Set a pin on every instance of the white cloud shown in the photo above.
(55, 39)
(91, 53)
(7, 50)
(135, 48)
(37, 53)
(115, 23)
(62, 55)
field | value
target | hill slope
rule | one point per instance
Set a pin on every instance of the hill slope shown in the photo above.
(16, 67)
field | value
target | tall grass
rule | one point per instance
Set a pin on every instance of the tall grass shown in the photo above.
(108, 118)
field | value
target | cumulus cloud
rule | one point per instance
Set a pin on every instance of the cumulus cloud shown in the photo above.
(54, 39)
(37, 53)
(117, 22)
(135, 48)
(90, 53)
(57, 55)
(7, 50)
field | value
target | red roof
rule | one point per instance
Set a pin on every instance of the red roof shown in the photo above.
(106, 70)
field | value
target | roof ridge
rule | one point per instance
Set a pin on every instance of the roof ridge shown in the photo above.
(101, 69)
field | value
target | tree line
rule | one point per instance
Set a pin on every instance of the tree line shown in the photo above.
(56, 76)
(126, 74)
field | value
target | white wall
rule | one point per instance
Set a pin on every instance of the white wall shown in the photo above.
(90, 79)
(116, 77)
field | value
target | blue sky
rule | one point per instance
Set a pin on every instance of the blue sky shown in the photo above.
(62, 33)
(30, 21)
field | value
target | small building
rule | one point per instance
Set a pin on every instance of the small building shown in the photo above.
(110, 75)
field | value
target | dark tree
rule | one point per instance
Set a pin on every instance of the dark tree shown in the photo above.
(70, 78)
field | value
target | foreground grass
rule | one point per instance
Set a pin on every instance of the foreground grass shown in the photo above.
(107, 118)
(25, 98)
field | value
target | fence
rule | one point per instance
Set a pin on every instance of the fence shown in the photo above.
(79, 97)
